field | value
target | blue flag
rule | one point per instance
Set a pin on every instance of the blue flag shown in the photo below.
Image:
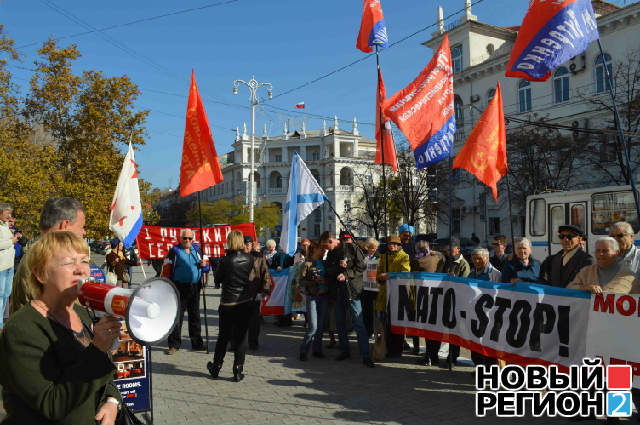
(304, 196)
(551, 34)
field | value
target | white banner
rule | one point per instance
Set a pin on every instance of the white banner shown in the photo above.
(613, 333)
(522, 323)
(369, 282)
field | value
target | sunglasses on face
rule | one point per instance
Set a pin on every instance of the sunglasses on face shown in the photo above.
(565, 236)
(187, 239)
(619, 236)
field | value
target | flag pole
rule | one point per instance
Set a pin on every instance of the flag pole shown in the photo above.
(384, 174)
(513, 240)
(202, 281)
(344, 226)
(625, 147)
(449, 357)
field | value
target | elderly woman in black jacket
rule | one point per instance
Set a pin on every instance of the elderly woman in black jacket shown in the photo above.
(242, 276)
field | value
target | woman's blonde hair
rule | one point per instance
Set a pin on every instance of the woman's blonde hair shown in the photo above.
(43, 249)
(371, 242)
(235, 241)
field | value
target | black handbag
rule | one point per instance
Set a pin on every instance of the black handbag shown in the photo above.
(126, 416)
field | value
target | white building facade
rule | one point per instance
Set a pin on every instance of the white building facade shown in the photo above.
(333, 155)
(480, 53)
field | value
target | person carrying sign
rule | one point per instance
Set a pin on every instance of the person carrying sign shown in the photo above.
(428, 261)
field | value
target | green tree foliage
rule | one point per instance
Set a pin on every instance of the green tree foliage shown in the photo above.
(67, 137)
(232, 211)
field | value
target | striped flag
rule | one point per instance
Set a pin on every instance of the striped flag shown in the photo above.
(300, 105)
(126, 211)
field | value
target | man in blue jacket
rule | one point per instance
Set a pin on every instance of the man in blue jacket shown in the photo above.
(184, 266)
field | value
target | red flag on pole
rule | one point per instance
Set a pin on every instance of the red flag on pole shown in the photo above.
(484, 154)
(200, 166)
(389, 146)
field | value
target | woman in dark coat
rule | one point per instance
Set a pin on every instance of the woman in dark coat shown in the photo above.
(56, 364)
(242, 276)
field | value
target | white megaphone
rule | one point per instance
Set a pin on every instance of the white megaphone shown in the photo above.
(150, 311)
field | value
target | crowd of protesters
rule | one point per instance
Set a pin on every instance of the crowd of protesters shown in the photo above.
(329, 273)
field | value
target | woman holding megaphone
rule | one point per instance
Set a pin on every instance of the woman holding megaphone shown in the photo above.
(56, 364)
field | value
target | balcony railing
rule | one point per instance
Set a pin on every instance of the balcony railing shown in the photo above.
(276, 190)
(345, 188)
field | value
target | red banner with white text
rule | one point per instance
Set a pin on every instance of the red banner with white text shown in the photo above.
(155, 241)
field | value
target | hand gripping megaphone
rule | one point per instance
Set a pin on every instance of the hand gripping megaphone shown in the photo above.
(150, 311)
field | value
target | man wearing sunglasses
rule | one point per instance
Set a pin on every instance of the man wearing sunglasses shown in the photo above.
(184, 265)
(623, 234)
(561, 268)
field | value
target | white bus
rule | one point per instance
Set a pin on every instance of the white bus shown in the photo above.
(592, 210)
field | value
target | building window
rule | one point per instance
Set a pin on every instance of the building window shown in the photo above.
(347, 207)
(458, 110)
(278, 158)
(346, 177)
(456, 58)
(524, 92)
(315, 156)
(602, 82)
(494, 225)
(275, 180)
(561, 85)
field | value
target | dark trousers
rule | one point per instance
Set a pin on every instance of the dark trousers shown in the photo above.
(480, 359)
(233, 326)
(189, 301)
(254, 324)
(434, 346)
(368, 300)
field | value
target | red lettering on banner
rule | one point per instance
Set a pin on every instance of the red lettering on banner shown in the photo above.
(621, 302)
(600, 304)
(155, 241)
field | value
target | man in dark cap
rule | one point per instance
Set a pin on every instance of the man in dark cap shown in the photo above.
(561, 268)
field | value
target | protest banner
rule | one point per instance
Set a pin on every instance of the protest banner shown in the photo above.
(296, 301)
(132, 369)
(614, 331)
(523, 323)
(274, 304)
(156, 241)
(369, 282)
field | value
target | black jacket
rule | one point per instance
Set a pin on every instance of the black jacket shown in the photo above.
(553, 273)
(355, 267)
(233, 273)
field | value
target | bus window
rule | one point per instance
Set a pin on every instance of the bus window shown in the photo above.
(610, 207)
(578, 216)
(537, 217)
(557, 220)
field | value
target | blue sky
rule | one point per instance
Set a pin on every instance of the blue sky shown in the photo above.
(286, 43)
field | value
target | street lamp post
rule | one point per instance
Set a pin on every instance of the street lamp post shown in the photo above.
(253, 88)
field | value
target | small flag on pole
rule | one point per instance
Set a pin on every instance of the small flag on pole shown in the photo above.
(373, 30)
(200, 166)
(126, 211)
(304, 196)
(300, 105)
(552, 32)
(484, 154)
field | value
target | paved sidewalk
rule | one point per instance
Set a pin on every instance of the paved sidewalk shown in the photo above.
(280, 389)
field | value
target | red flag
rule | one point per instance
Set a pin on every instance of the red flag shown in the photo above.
(389, 146)
(484, 154)
(373, 30)
(200, 166)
